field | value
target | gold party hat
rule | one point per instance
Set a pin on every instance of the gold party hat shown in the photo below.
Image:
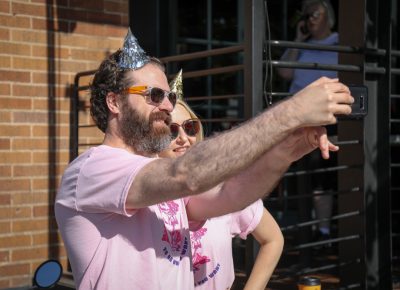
(176, 85)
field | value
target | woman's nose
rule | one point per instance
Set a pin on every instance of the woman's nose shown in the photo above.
(182, 137)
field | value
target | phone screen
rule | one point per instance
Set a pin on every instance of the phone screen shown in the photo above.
(359, 108)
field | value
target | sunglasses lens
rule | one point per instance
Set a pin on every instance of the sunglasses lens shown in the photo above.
(174, 128)
(172, 98)
(191, 127)
(313, 15)
(156, 95)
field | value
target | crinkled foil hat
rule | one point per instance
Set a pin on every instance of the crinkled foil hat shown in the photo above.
(176, 85)
(133, 56)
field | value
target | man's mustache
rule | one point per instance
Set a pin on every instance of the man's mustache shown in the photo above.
(163, 116)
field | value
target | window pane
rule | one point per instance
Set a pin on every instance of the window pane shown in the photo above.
(192, 17)
(224, 20)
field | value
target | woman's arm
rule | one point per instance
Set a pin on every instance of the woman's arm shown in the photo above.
(290, 54)
(259, 179)
(270, 238)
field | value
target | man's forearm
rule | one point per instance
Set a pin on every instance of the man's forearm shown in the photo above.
(236, 193)
(212, 161)
(229, 153)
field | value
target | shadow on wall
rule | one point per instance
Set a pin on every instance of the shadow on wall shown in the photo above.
(62, 16)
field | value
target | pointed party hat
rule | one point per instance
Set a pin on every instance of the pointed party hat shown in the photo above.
(176, 85)
(132, 56)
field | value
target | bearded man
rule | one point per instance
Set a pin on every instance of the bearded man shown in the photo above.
(125, 214)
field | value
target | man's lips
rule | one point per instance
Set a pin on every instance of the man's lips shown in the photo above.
(161, 122)
(161, 117)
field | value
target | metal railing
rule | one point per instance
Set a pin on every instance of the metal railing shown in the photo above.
(377, 70)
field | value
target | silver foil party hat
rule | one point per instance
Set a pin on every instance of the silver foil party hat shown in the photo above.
(133, 56)
(176, 85)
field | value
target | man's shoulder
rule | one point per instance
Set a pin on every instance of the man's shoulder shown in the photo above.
(105, 159)
(105, 152)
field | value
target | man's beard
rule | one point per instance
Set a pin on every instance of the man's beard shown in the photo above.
(140, 134)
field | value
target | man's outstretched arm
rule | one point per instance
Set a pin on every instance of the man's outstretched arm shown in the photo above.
(259, 179)
(217, 159)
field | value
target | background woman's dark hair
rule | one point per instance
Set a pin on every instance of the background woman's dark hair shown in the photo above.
(109, 78)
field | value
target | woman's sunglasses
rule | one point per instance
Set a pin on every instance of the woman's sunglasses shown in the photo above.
(314, 15)
(191, 127)
(156, 95)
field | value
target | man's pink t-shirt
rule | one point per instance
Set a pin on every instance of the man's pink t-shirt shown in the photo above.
(111, 247)
(212, 246)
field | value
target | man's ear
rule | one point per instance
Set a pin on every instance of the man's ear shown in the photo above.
(112, 102)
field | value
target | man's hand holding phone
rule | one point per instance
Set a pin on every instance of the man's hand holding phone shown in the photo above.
(359, 109)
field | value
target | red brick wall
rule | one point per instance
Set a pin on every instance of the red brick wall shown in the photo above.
(43, 44)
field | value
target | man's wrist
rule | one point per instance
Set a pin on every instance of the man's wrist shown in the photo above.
(286, 114)
(279, 159)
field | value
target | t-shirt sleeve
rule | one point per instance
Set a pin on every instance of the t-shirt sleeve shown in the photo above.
(245, 221)
(105, 179)
(193, 225)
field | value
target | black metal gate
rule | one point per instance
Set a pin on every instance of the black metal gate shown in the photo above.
(364, 247)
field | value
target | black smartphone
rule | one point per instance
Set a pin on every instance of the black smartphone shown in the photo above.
(304, 29)
(359, 109)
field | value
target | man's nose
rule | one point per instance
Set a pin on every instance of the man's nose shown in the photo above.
(166, 105)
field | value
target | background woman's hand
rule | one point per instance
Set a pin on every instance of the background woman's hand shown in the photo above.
(300, 29)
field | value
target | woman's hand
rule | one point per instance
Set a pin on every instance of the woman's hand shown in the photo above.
(302, 31)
